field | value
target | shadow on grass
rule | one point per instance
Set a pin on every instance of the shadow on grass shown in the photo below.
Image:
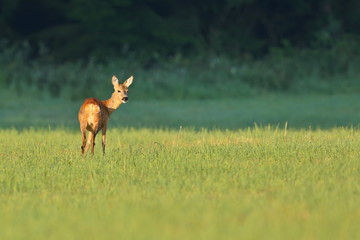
(312, 111)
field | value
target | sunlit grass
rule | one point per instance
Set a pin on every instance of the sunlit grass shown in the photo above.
(181, 184)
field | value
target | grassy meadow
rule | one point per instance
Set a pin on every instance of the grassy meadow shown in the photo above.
(192, 169)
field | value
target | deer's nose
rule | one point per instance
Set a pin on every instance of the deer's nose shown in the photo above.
(125, 99)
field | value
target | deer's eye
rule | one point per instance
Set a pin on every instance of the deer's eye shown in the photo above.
(119, 91)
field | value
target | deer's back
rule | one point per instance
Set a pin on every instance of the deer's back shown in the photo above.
(93, 114)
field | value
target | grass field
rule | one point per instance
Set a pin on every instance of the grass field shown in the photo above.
(216, 177)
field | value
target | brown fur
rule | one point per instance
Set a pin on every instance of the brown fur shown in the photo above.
(94, 114)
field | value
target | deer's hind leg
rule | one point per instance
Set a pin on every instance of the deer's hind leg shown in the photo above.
(83, 145)
(91, 142)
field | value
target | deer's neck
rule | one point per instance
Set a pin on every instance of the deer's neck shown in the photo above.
(112, 103)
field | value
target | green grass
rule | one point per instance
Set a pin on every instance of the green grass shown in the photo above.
(167, 184)
(218, 176)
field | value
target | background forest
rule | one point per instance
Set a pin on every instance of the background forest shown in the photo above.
(178, 49)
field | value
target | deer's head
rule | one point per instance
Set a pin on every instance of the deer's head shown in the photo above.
(121, 90)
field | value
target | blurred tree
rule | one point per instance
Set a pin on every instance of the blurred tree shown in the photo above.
(80, 28)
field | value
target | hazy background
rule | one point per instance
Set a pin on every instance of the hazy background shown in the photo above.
(181, 50)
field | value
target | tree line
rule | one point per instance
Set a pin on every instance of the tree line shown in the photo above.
(72, 29)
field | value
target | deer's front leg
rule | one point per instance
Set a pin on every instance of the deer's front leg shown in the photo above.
(103, 139)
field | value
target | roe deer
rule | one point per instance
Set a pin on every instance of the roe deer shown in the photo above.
(94, 114)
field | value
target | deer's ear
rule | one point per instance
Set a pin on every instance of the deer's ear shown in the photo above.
(128, 82)
(114, 80)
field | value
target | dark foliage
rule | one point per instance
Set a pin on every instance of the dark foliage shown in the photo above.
(74, 29)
